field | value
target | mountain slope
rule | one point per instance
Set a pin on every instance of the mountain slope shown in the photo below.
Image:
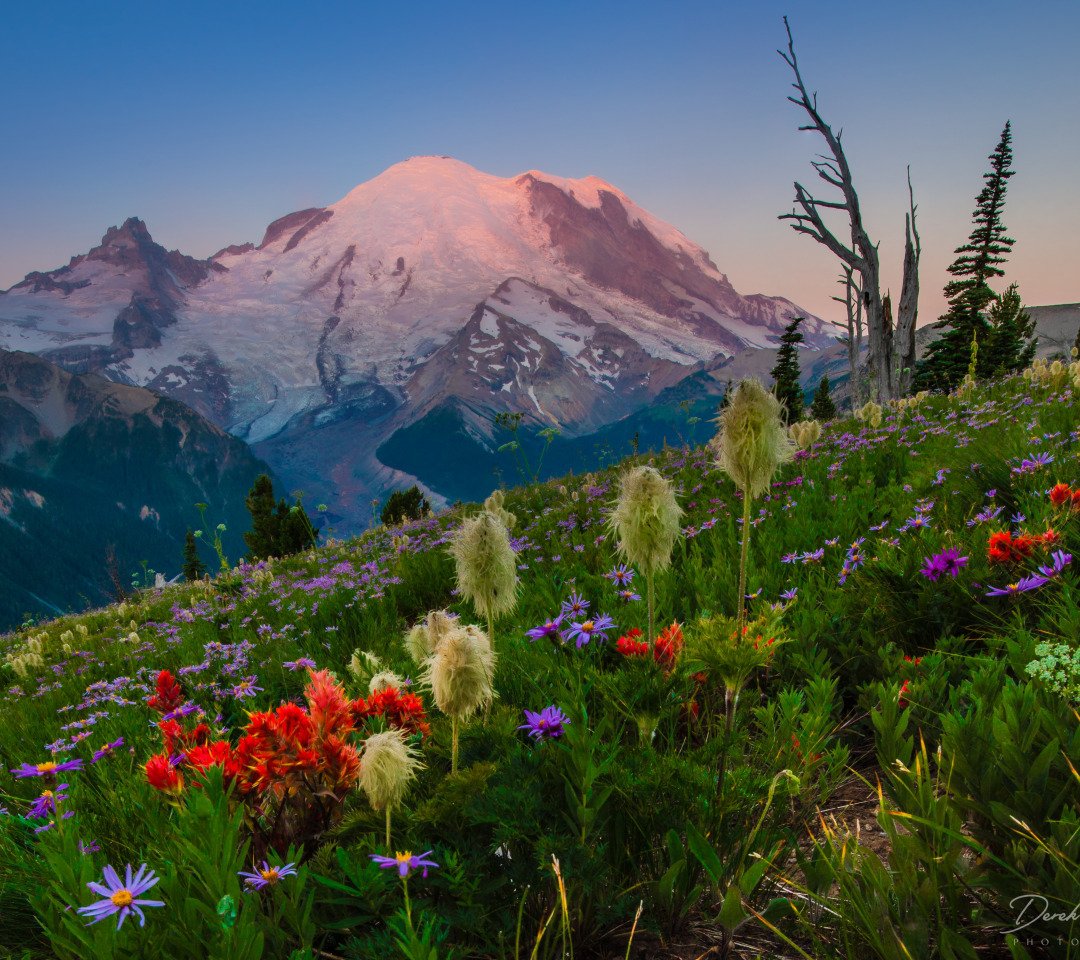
(89, 467)
(560, 299)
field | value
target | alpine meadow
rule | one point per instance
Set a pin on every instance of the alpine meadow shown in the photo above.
(467, 570)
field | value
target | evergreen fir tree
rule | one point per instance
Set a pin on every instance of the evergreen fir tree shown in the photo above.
(405, 505)
(726, 399)
(262, 539)
(823, 407)
(969, 293)
(786, 372)
(1010, 344)
(193, 568)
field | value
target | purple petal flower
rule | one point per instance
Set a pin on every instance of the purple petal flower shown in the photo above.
(107, 749)
(121, 897)
(406, 863)
(47, 769)
(587, 630)
(267, 876)
(1023, 585)
(549, 722)
(549, 629)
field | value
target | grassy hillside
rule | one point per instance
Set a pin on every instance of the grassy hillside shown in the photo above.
(667, 816)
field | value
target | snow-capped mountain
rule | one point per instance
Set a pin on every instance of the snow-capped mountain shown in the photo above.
(560, 299)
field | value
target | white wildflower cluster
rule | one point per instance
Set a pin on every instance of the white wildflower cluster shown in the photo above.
(1058, 666)
(1055, 375)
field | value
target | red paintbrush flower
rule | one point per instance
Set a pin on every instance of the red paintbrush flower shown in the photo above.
(668, 646)
(161, 774)
(1061, 494)
(169, 696)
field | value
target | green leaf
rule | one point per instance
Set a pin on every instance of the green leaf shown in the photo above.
(732, 913)
(705, 854)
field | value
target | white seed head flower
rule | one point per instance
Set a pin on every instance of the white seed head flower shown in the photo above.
(384, 679)
(363, 665)
(460, 672)
(388, 764)
(486, 564)
(752, 442)
(805, 433)
(645, 519)
(494, 505)
(421, 640)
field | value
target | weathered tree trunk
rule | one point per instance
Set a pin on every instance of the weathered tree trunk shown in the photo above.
(862, 254)
(908, 312)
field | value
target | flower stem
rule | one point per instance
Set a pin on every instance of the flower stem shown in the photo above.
(743, 558)
(453, 744)
(388, 828)
(649, 592)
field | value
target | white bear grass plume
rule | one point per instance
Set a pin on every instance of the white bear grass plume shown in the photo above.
(460, 672)
(645, 520)
(388, 765)
(750, 447)
(486, 566)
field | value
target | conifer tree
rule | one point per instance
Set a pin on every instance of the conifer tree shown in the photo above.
(823, 407)
(261, 539)
(1010, 345)
(726, 399)
(193, 568)
(786, 372)
(969, 293)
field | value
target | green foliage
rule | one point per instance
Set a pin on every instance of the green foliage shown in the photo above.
(786, 372)
(823, 409)
(969, 293)
(277, 530)
(404, 505)
(193, 568)
(885, 676)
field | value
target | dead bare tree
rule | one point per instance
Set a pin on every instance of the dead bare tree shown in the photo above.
(860, 255)
(852, 301)
(908, 312)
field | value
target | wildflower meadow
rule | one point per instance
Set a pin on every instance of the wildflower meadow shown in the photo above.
(806, 693)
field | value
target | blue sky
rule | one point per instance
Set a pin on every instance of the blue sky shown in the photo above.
(211, 120)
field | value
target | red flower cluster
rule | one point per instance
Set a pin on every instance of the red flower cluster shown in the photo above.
(169, 696)
(1063, 495)
(283, 751)
(402, 711)
(1004, 548)
(630, 646)
(666, 648)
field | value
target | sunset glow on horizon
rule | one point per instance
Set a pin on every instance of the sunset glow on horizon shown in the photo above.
(210, 128)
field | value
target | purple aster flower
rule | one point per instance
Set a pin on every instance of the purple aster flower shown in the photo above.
(121, 897)
(587, 630)
(91, 847)
(1060, 560)
(267, 876)
(948, 561)
(107, 749)
(406, 863)
(789, 594)
(575, 606)
(627, 596)
(549, 629)
(304, 663)
(621, 575)
(49, 769)
(1023, 585)
(549, 722)
(246, 688)
(45, 805)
